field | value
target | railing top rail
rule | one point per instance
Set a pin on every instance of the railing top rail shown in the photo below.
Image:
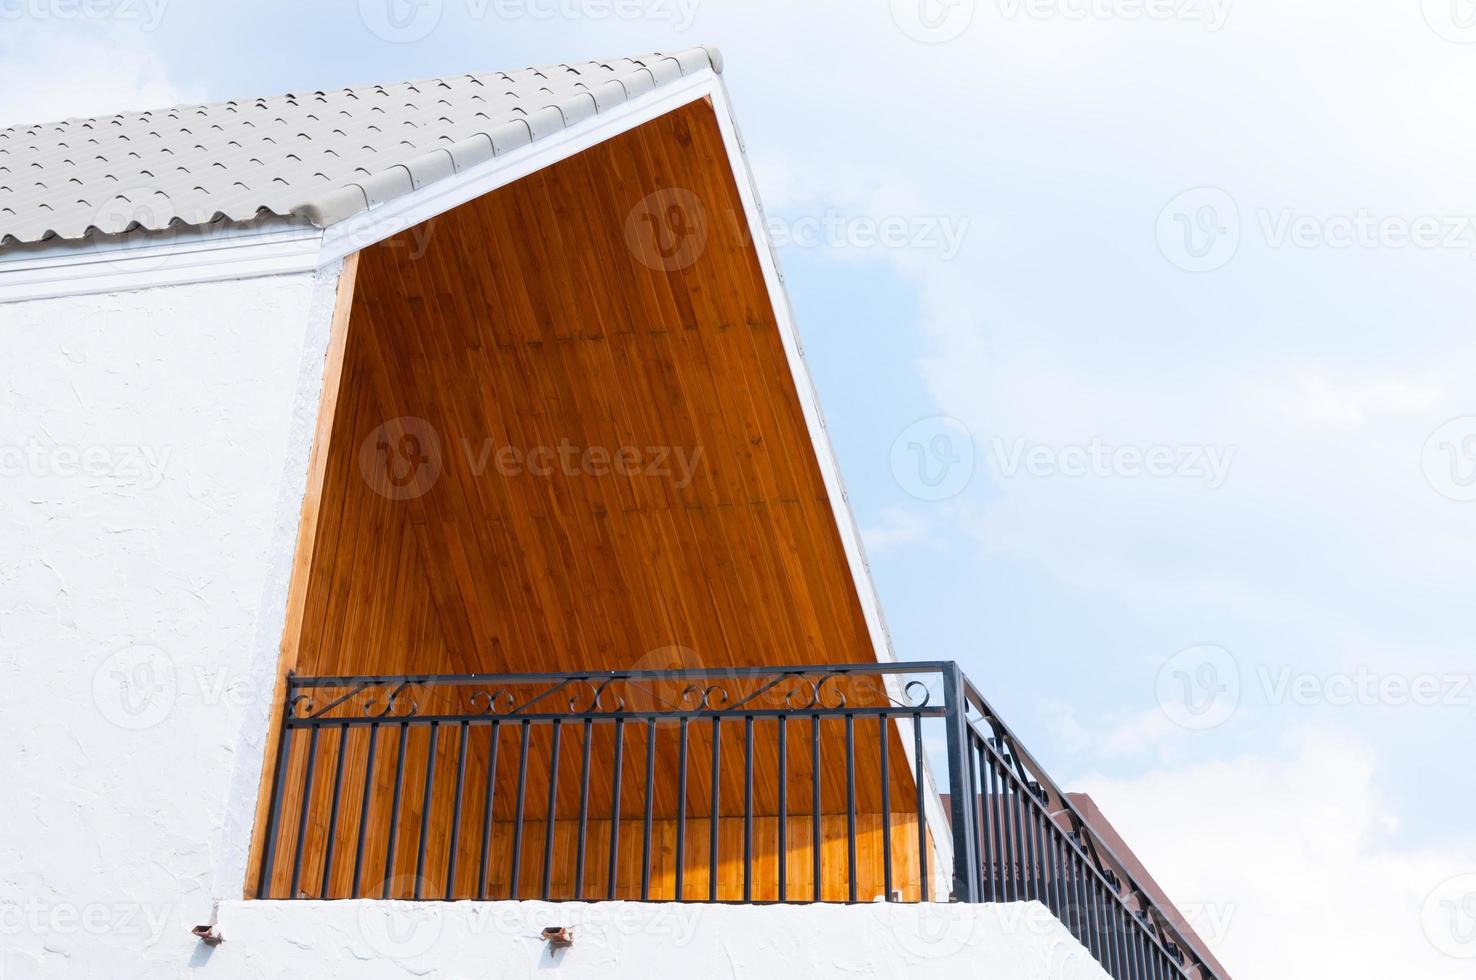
(684, 673)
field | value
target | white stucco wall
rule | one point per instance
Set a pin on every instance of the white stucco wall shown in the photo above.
(615, 940)
(153, 450)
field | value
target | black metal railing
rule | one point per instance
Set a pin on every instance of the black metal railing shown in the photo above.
(779, 784)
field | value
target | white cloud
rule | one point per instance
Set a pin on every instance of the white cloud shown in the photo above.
(1290, 863)
(81, 76)
(1117, 737)
(898, 528)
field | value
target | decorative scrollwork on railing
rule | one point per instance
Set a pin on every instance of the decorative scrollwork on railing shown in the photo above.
(597, 703)
(801, 686)
(712, 697)
(492, 702)
(392, 702)
(911, 699)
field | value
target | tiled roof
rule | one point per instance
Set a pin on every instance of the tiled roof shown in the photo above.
(321, 156)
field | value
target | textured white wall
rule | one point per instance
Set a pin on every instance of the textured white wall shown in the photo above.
(153, 449)
(615, 940)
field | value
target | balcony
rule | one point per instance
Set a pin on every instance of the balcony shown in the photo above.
(834, 784)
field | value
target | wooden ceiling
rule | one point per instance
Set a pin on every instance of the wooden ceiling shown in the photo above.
(566, 437)
(605, 463)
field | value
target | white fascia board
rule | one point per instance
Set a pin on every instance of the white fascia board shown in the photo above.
(276, 246)
(169, 258)
(400, 213)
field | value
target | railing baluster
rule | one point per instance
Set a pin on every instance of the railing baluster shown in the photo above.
(549, 824)
(816, 836)
(886, 806)
(712, 821)
(851, 806)
(1017, 818)
(302, 819)
(782, 830)
(1048, 844)
(1109, 934)
(681, 831)
(394, 824)
(425, 807)
(454, 835)
(328, 848)
(650, 800)
(1003, 891)
(615, 809)
(1032, 852)
(919, 769)
(979, 800)
(489, 797)
(364, 810)
(274, 809)
(966, 868)
(1042, 823)
(582, 844)
(515, 879)
(748, 808)
(979, 761)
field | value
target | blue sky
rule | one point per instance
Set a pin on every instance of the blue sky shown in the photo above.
(1237, 231)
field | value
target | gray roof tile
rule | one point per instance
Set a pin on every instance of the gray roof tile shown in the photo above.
(321, 156)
